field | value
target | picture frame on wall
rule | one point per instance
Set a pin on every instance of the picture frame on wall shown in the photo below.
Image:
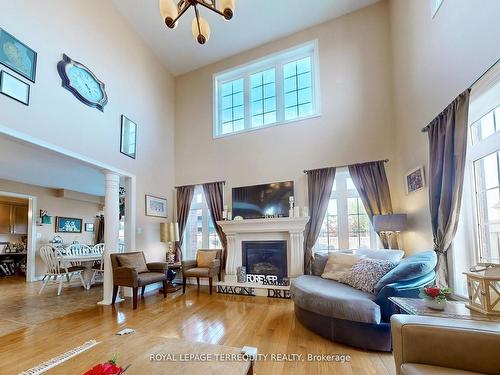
(415, 180)
(14, 88)
(435, 5)
(156, 206)
(128, 137)
(89, 227)
(17, 56)
(68, 225)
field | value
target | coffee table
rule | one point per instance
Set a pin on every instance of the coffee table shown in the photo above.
(172, 356)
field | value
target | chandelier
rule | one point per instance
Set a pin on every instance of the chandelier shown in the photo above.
(200, 27)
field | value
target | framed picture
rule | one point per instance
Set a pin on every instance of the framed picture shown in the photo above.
(128, 137)
(156, 206)
(17, 56)
(435, 5)
(68, 225)
(14, 88)
(89, 227)
(415, 180)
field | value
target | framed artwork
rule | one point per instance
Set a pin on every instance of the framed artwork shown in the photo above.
(68, 225)
(435, 5)
(156, 206)
(17, 56)
(89, 227)
(14, 88)
(415, 180)
(128, 137)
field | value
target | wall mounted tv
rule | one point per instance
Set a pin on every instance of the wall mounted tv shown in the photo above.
(258, 201)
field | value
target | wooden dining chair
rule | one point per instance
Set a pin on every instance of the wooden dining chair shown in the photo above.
(98, 268)
(57, 269)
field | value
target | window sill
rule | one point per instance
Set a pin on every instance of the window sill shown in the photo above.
(285, 122)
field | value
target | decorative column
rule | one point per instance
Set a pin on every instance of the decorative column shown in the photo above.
(233, 259)
(111, 231)
(296, 253)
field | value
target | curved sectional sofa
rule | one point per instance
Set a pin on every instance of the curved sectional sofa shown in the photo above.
(353, 317)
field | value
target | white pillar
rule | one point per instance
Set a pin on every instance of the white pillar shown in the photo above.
(111, 231)
(130, 207)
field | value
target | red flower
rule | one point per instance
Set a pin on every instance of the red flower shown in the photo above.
(433, 292)
(108, 368)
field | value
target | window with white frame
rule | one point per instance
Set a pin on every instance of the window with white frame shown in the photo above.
(200, 231)
(346, 224)
(274, 90)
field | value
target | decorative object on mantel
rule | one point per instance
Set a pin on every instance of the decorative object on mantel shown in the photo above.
(224, 213)
(200, 27)
(156, 206)
(14, 88)
(415, 180)
(82, 83)
(484, 290)
(17, 56)
(435, 298)
(389, 225)
(238, 218)
(230, 215)
(291, 201)
(128, 137)
(241, 273)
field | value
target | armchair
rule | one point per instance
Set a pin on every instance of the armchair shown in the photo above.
(429, 345)
(198, 268)
(131, 270)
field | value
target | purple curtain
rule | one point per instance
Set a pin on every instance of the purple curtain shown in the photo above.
(184, 199)
(214, 195)
(319, 187)
(447, 153)
(371, 183)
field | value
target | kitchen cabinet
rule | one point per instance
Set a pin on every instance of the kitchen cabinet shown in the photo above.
(5, 218)
(13, 219)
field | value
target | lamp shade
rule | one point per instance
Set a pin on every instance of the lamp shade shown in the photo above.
(169, 232)
(202, 34)
(227, 8)
(168, 12)
(389, 223)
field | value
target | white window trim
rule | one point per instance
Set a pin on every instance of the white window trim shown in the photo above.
(275, 60)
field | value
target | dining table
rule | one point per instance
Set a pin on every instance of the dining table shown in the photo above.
(85, 260)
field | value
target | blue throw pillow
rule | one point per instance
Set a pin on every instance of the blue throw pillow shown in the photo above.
(409, 268)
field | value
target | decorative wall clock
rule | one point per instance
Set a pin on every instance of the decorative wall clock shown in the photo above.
(82, 83)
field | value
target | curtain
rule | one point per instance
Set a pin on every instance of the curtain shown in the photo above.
(447, 147)
(100, 230)
(319, 187)
(214, 195)
(184, 198)
(371, 183)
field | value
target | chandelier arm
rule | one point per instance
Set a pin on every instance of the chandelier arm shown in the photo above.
(213, 9)
(182, 12)
(197, 14)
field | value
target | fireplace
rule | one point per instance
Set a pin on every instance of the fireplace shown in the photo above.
(265, 258)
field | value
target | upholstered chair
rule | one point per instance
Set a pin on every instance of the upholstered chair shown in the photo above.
(131, 269)
(206, 265)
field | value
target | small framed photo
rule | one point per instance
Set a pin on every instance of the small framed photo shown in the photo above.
(89, 227)
(128, 137)
(415, 180)
(14, 88)
(68, 225)
(17, 56)
(156, 206)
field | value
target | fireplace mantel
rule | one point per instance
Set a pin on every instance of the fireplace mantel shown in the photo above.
(291, 229)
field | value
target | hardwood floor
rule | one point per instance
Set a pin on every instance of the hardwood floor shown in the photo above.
(268, 324)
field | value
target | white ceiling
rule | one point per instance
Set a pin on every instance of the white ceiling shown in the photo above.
(255, 22)
(22, 162)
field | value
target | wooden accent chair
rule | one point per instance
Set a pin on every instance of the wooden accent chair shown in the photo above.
(200, 267)
(131, 269)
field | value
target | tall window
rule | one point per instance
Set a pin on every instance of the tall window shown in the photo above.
(200, 232)
(274, 90)
(346, 224)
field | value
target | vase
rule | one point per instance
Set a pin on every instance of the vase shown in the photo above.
(241, 274)
(436, 304)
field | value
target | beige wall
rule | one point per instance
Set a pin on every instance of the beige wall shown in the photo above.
(355, 125)
(137, 84)
(47, 199)
(434, 60)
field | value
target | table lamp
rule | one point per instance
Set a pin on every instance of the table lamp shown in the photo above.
(389, 224)
(169, 233)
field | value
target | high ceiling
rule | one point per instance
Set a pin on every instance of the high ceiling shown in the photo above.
(255, 22)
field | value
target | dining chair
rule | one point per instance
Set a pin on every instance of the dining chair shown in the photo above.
(77, 249)
(98, 267)
(57, 269)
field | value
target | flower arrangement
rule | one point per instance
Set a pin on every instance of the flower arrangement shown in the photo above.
(108, 368)
(435, 297)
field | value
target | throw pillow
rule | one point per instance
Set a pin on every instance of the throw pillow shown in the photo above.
(386, 254)
(365, 274)
(338, 264)
(319, 263)
(133, 261)
(204, 258)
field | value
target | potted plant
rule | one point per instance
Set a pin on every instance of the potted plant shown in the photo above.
(435, 298)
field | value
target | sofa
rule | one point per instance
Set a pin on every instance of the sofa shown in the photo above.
(429, 345)
(354, 317)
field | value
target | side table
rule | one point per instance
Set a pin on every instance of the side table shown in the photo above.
(171, 286)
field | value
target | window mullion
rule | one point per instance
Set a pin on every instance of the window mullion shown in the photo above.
(280, 93)
(247, 101)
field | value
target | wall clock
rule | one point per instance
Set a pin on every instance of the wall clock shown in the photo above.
(82, 83)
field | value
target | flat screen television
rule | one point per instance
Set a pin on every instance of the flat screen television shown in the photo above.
(258, 201)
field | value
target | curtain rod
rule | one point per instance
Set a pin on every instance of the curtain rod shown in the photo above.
(213, 182)
(346, 165)
(425, 129)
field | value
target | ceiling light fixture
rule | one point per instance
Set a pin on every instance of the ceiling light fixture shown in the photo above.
(200, 27)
